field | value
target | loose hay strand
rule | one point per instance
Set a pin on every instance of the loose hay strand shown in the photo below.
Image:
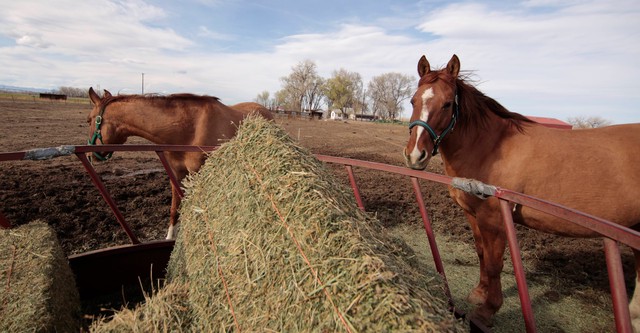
(224, 282)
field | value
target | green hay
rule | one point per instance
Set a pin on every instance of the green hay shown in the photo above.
(38, 288)
(167, 311)
(270, 241)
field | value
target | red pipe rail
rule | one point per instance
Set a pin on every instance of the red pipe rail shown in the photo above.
(612, 233)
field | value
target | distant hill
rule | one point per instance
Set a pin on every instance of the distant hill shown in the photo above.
(15, 89)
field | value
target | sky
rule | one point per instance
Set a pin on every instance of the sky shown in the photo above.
(546, 58)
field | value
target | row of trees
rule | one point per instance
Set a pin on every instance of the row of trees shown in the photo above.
(588, 122)
(72, 92)
(304, 89)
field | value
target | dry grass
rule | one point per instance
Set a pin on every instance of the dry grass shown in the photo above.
(162, 312)
(38, 288)
(570, 313)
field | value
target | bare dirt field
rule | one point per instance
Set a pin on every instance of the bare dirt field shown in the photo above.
(567, 277)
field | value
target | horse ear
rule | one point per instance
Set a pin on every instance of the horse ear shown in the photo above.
(107, 94)
(453, 67)
(93, 96)
(423, 66)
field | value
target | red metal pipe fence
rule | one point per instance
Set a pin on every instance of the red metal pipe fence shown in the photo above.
(612, 233)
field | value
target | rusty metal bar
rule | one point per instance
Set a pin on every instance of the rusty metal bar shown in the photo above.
(4, 223)
(97, 182)
(437, 259)
(139, 148)
(442, 179)
(12, 156)
(354, 186)
(172, 177)
(518, 268)
(601, 226)
(617, 285)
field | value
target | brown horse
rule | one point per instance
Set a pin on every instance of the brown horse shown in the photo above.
(594, 170)
(252, 107)
(180, 119)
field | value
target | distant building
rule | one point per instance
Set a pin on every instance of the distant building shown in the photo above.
(551, 122)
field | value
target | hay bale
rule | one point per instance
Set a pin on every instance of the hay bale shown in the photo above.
(38, 291)
(270, 241)
(166, 311)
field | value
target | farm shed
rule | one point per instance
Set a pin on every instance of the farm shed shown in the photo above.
(57, 97)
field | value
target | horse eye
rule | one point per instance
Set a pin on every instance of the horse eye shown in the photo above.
(413, 103)
(446, 105)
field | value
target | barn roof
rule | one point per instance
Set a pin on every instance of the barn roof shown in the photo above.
(551, 122)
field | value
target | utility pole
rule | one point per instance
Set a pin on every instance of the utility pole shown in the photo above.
(143, 83)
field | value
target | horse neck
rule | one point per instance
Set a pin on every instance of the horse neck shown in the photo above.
(475, 138)
(140, 118)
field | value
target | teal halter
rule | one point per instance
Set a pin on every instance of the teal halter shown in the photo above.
(434, 137)
(97, 135)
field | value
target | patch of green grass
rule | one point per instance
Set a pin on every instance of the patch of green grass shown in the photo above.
(553, 311)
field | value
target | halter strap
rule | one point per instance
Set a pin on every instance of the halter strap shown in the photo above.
(97, 135)
(434, 137)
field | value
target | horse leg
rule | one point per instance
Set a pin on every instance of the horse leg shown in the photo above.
(634, 304)
(478, 295)
(493, 243)
(173, 218)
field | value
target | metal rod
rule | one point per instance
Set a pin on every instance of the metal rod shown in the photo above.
(172, 177)
(354, 186)
(437, 259)
(4, 222)
(518, 268)
(617, 285)
(106, 196)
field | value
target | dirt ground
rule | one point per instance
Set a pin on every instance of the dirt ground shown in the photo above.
(60, 192)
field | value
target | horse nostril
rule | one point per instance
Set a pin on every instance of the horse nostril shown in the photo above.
(423, 155)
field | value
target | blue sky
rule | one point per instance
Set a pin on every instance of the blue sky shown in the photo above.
(550, 58)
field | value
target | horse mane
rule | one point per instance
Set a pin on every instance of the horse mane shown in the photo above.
(166, 99)
(474, 106)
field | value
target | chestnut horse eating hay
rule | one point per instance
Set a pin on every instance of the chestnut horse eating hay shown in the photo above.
(592, 170)
(180, 119)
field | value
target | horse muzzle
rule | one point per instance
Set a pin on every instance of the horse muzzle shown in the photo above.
(417, 162)
(99, 156)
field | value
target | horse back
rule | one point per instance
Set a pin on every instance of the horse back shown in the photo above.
(596, 171)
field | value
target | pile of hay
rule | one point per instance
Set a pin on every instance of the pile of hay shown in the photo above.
(167, 310)
(270, 241)
(38, 290)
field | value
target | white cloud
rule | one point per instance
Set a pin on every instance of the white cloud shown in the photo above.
(205, 32)
(32, 40)
(585, 52)
(98, 27)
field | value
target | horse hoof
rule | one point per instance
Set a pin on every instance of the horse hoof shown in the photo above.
(480, 319)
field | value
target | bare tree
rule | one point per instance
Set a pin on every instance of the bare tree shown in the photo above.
(263, 98)
(588, 122)
(302, 88)
(72, 92)
(387, 92)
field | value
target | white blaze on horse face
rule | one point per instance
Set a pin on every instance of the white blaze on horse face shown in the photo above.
(426, 96)
(424, 116)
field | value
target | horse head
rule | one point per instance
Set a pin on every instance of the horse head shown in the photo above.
(101, 129)
(435, 112)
